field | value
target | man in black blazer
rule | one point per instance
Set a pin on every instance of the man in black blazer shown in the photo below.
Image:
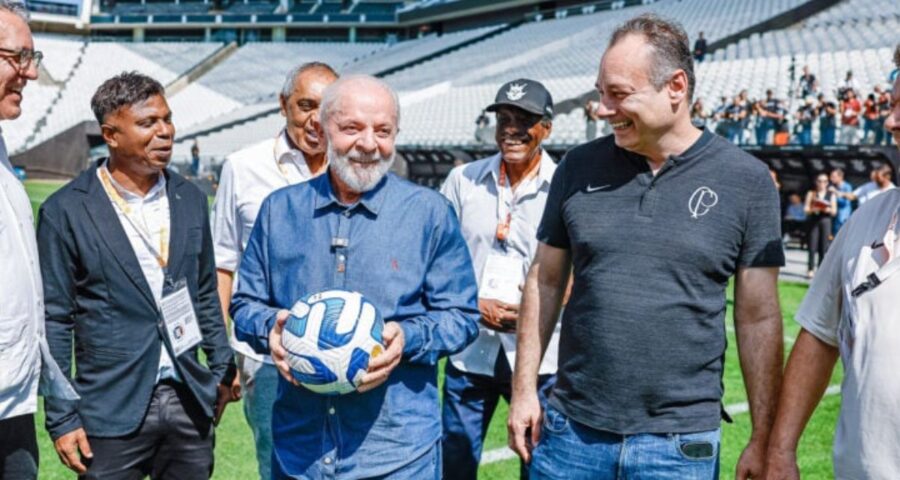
(129, 276)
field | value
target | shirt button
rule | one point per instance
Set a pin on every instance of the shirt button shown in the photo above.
(327, 460)
(331, 411)
(347, 213)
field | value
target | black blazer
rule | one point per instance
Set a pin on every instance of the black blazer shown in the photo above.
(96, 294)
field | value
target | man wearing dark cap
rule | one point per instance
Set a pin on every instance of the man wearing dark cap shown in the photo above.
(499, 201)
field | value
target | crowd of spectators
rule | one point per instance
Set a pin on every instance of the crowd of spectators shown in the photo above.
(810, 116)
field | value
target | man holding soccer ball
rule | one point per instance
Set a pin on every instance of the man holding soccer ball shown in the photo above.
(360, 229)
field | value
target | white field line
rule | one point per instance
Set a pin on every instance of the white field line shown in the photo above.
(504, 453)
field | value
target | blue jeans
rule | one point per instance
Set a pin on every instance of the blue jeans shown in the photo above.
(426, 467)
(827, 135)
(469, 403)
(573, 451)
(259, 384)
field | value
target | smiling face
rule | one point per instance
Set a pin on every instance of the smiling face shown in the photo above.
(361, 129)
(301, 110)
(141, 134)
(638, 113)
(14, 35)
(519, 134)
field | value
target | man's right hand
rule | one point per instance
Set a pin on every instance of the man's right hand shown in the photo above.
(498, 315)
(523, 425)
(782, 465)
(279, 354)
(71, 448)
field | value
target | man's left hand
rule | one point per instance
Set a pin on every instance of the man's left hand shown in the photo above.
(223, 398)
(752, 463)
(380, 367)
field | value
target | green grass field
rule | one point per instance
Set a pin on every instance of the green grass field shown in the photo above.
(234, 446)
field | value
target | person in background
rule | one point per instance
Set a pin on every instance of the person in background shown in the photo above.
(827, 112)
(839, 187)
(482, 123)
(768, 117)
(699, 115)
(794, 223)
(195, 159)
(294, 155)
(700, 48)
(820, 207)
(850, 110)
(883, 99)
(806, 115)
(872, 127)
(590, 120)
(735, 116)
(808, 85)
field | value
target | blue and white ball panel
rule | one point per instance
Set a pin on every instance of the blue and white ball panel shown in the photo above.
(330, 338)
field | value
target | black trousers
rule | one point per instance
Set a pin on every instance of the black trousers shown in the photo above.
(175, 441)
(18, 448)
(818, 239)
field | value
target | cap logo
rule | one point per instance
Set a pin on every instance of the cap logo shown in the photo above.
(516, 92)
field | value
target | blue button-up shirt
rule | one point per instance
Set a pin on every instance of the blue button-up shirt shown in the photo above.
(404, 252)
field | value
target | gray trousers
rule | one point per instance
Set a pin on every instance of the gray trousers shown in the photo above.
(18, 448)
(175, 441)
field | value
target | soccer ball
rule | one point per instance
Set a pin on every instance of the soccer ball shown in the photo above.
(330, 337)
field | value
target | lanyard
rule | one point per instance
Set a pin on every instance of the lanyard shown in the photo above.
(162, 253)
(504, 220)
(891, 266)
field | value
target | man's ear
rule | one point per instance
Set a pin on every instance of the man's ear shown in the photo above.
(678, 86)
(108, 132)
(283, 103)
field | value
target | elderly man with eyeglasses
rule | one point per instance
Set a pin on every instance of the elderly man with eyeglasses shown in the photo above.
(21, 294)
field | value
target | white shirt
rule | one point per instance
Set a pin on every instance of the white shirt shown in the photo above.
(248, 177)
(473, 191)
(149, 213)
(866, 330)
(21, 297)
(868, 191)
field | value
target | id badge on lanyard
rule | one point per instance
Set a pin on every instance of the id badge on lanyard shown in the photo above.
(179, 317)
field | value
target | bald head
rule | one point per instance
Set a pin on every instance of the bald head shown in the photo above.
(353, 88)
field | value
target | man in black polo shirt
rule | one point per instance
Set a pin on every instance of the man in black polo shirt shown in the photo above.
(654, 220)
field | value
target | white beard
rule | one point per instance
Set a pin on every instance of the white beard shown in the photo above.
(360, 178)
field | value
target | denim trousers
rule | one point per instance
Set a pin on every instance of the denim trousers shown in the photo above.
(259, 385)
(573, 451)
(426, 467)
(469, 404)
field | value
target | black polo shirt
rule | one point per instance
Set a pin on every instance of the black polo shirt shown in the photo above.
(643, 336)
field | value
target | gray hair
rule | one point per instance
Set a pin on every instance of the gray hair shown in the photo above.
(671, 51)
(290, 81)
(15, 7)
(331, 97)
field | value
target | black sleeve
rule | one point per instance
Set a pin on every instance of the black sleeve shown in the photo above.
(58, 262)
(552, 229)
(761, 246)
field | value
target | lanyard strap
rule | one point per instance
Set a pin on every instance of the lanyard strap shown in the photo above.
(162, 253)
(891, 267)
(504, 221)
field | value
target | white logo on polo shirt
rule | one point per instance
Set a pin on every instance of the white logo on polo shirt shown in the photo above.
(516, 91)
(701, 201)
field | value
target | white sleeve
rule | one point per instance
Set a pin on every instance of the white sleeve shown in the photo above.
(820, 310)
(450, 189)
(225, 225)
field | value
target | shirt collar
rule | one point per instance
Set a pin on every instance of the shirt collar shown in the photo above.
(371, 200)
(492, 168)
(129, 196)
(284, 150)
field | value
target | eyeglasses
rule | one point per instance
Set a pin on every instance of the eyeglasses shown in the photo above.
(24, 58)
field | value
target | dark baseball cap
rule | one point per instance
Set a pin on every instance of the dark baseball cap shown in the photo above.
(529, 95)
